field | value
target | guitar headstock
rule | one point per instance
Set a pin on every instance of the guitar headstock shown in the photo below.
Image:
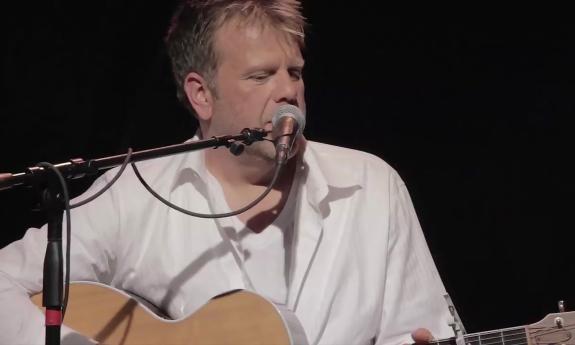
(557, 328)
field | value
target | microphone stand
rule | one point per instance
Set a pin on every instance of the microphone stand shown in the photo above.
(53, 204)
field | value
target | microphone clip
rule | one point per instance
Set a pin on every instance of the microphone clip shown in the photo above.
(249, 136)
(253, 134)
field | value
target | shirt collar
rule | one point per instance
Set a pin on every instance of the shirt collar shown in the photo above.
(318, 179)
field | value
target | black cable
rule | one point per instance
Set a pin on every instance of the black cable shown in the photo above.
(218, 215)
(109, 184)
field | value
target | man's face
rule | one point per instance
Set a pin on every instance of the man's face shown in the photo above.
(259, 69)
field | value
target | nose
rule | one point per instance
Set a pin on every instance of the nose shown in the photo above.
(287, 88)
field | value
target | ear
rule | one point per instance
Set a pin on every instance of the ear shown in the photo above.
(199, 95)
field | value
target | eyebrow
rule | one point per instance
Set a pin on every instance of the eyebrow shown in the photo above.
(297, 65)
(269, 69)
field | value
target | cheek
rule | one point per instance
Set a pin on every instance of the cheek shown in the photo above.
(242, 98)
(248, 104)
(255, 101)
(238, 113)
(301, 97)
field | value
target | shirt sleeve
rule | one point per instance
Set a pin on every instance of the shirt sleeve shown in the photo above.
(414, 293)
(21, 265)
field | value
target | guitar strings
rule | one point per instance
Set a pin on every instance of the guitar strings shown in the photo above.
(504, 337)
(484, 337)
(507, 342)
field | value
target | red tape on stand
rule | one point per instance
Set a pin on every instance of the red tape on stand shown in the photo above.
(53, 317)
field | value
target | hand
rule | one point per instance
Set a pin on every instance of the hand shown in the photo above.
(422, 336)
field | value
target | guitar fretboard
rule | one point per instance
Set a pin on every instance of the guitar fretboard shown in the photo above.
(508, 336)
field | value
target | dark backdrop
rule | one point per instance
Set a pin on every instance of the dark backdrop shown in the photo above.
(472, 108)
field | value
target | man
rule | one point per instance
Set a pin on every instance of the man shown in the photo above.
(337, 240)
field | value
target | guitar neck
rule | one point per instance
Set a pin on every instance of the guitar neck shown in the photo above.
(507, 336)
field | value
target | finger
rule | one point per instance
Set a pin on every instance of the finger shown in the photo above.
(422, 336)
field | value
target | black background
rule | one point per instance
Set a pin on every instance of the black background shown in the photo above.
(472, 107)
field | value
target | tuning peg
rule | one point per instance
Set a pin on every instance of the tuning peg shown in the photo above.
(561, 306)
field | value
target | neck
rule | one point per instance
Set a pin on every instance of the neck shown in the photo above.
(507, 336)
(244, 178)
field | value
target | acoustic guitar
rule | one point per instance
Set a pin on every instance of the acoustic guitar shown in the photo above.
(111, 316)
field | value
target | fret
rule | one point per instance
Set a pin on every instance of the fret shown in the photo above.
(492, 338)
(516, 336)
(472, 339)
(509, 336)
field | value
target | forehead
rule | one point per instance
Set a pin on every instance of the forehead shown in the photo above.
(237, 39)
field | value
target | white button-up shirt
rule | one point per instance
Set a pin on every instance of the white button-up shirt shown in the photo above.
(360, 272)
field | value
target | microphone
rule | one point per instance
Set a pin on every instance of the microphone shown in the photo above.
(288, 123)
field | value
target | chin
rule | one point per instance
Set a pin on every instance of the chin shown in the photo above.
(266, 151)
(261, 151)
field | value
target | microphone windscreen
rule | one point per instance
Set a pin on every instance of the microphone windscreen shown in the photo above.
(290, 111)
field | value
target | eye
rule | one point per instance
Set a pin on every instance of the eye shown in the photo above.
(295, 73)
(260, 77)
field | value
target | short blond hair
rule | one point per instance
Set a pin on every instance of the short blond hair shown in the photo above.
(190, 38)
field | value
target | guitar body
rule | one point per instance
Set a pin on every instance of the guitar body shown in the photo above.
(241, 317)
